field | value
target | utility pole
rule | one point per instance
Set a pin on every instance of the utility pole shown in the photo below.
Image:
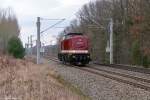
(111, 40)
(111, 25)
(28, 40)
(38, 40)
(28, 46)
(31, 44)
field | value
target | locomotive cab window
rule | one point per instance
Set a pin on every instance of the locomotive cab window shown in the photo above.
(64, 38)
(67, 37)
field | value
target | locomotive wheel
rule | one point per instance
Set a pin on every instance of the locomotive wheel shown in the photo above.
(77, 64)
(63, 60)
(82, 64)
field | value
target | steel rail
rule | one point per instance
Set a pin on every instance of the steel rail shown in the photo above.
(137, 85)
(126, 67)
(123, 75)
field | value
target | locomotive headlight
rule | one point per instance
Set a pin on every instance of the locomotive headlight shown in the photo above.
(73, 56)
(70, 54)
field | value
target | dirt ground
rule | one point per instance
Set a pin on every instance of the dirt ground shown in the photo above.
(24, 80)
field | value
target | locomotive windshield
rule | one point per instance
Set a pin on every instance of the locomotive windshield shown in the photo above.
(69, 35)
(74, 34)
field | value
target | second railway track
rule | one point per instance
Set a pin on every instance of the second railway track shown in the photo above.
(126, 67)
(131, 80)
(135, 81)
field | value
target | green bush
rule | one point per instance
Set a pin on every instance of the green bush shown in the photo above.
(136, 53)
(15, 47)
(137, 57)
(145, 61)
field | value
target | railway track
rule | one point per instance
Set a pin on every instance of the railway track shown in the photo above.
(135, 81)
(126, 67)
(131, 80)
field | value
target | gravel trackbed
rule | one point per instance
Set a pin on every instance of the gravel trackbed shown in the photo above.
(98, 87)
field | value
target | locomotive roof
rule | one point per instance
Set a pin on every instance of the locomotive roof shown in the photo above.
(74, 34)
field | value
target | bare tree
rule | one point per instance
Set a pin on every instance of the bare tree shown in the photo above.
(8, 27)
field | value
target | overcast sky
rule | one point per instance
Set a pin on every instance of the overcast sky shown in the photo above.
(28, 10)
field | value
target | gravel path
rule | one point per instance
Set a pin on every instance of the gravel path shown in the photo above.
(97, 87)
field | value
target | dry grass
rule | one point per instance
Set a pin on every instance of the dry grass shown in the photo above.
(25, 80)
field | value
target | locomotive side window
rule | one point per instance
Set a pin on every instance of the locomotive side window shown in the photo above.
(63, 38)
(67, 37)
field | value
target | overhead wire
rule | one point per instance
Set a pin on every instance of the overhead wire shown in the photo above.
(50, 19)
(52, 26)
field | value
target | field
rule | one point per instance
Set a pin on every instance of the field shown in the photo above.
(24, 80)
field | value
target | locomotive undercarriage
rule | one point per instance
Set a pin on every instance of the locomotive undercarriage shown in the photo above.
(76, 59)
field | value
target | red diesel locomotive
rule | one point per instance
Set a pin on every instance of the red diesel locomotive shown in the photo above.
(74, 49)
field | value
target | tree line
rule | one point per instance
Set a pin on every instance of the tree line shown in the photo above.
(131, 30)
(9, 34)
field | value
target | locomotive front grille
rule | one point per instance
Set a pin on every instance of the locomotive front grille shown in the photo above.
(80, 57)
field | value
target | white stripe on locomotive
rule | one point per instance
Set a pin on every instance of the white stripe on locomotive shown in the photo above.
(74, 51)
